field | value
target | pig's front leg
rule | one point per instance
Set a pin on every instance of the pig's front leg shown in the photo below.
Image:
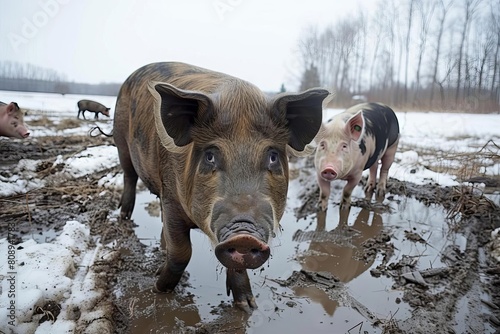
(348, 188)
(178, 251)
(372, 181)
(324, 193)
(238, 283)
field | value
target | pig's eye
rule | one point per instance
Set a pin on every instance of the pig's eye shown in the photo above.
(210, 157)
(322, 145)
(273, 157)
(273, 160)
(344, 146)
(210, 160)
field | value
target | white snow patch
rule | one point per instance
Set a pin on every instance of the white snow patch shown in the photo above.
(60, 272)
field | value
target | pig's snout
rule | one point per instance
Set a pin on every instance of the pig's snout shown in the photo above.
(242, 251)
(242, 245)
(328, 174)
(22, 132)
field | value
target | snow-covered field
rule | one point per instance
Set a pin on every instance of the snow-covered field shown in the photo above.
(54, 104)
(60, 270)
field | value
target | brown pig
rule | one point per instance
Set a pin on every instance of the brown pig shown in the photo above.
(12, 121)
(214, 149)
(92, 106)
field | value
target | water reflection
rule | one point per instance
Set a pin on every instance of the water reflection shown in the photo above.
(338, 251)
(178, 313)
(153, 312)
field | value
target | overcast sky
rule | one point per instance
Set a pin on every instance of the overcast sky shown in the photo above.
(104, 41)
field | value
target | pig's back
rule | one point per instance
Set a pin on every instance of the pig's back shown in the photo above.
(91, 105)
(382, 124)
(181, 75)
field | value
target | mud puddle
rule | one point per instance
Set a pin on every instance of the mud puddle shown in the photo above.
(327, 271)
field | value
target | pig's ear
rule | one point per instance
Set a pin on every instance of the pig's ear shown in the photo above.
(355, 126)
(12, 108)
(303, 113)
(176, 111)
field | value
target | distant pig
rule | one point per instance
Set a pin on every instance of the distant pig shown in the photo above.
(12, 121)
(353, 141)
(215, 149)
(92, 106)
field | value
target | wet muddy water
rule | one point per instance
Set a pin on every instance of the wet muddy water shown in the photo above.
(322, 243)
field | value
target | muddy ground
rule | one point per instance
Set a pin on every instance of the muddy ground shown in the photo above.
(470, 275)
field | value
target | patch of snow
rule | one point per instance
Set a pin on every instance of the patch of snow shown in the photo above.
(60, 272)
(495, 244)
(91, 160)
(23, 178)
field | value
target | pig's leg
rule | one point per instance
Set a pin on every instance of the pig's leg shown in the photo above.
(130, 177)
(178, 251)
(238, 283)
(127, 201)
(324, 193)
(372, 180)
(352, 182)
(387, 161)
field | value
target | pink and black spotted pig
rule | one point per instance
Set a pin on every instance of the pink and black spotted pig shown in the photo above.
(353, 141)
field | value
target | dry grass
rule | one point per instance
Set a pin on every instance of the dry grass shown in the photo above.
(466, 204)
(44, 199)
(68, 123)
(42, 121)
(463, 165)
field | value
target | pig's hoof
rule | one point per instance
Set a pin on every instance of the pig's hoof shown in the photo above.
(345, 205)
(380, 195)
(247, 306)
(125, 215)
(155, 289)
(242, 251)
(369, 188)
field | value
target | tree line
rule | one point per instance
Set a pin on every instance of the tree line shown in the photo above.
(31, 78)
(424, 54)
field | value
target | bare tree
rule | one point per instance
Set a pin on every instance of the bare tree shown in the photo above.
(444, 11)
(347, 32)
(391, 20)
(16, 70)
(364, 55)
(470, 7)
(399, 36)
(495, 23)
(378, 30)
(308, 47)
(425, 8)
(484, 46)
(407, 48)
(360, 52)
